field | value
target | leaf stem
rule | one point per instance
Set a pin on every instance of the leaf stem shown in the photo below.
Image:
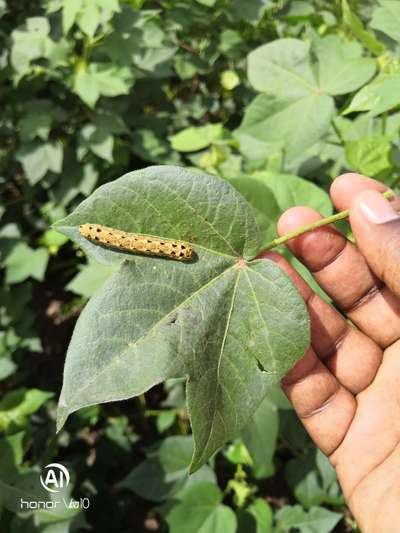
(338, 132)
(314, 225)
(384, 122)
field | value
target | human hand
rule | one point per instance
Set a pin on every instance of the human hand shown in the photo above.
(346, 389)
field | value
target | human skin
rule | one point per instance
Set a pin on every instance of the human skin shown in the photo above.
(346, 388)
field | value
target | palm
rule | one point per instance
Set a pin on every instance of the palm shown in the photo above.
(368, 460)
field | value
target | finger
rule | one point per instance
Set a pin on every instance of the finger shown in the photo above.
(325, 407)
(352, 357)
(376, 226)
(346, 187)
(342, 271)
(371, 220)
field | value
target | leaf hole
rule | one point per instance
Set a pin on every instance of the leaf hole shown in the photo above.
(260, 366)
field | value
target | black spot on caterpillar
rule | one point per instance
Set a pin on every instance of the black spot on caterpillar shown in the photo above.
(135, 242)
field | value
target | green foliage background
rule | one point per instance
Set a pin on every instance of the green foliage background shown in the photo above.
(278, 97)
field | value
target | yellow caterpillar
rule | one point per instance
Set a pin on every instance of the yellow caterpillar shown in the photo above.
(137, 243)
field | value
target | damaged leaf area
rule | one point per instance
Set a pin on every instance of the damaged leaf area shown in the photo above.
(230, 324)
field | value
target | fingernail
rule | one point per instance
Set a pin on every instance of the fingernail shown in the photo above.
(376, 208)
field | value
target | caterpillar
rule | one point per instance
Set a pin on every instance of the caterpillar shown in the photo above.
(135, 242)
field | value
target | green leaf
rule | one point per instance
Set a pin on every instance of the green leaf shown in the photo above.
(282, 124)
(3, 8)
(17, 405)
(304, 480)
(96, 139)
(333, 494)
(70, 10)
(316, 520)
(164, 472)
(387, 19)
(231, 42)
(152, 146)
(263, 202)
(11, 455)
(121, 44)
(312, 479)
(24, 262)
(341, 67)
(88, 14)
(291, 190)
(381, 95)
(22, 485)
(251, 11)
(165, 420)
(370, 155)
(242, 309)
(29, 43)
(89, 279)
(76, 178)
(326, 470)
(260, 436)
(196, 138)
(291, 429)
(257, 518)
(52, 240)
(37, 159)
(353, 22)
(208, 3)
(101, 79)
(89, 18)
(154, 61)
(7, 365)
(238, 454)
(38, 120)
(296, 109)
(282, 68)
(187, 66)
(200, 509)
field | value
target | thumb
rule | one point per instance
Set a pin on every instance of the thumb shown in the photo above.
(376, 227)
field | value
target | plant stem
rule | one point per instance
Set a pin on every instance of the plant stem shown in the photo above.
(384, 122)
(338, 133)
(314, 225)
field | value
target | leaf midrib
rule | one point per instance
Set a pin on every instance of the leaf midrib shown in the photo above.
(234, 292)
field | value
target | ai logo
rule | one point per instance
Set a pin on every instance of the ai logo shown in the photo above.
(55, 477)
